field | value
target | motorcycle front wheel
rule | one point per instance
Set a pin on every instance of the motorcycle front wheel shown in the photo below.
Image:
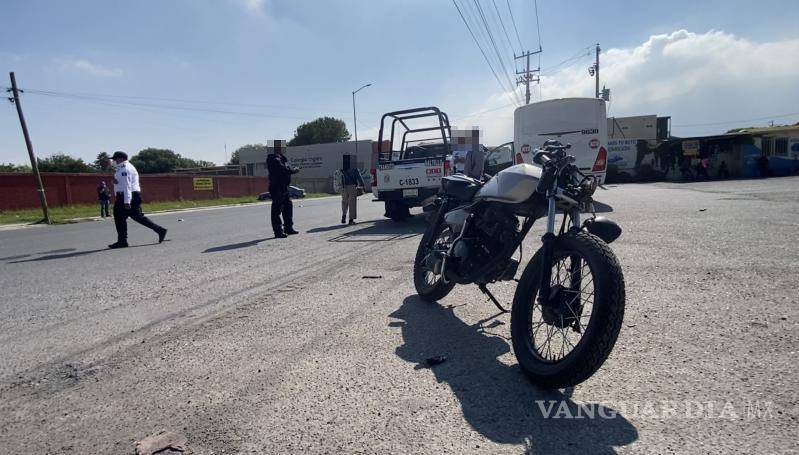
(561, 341)
(431, 285)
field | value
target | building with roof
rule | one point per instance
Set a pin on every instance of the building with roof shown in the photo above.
(775, 148)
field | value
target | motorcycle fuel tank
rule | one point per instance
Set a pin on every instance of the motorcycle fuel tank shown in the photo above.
(513, 185)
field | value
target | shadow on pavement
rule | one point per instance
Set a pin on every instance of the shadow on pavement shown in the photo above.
(383, 231)
(327, 228)
(11, 258)
(63, 250)
(50, 257)
(496, 399)
(60, 256)
(235, 246)
(602, 208)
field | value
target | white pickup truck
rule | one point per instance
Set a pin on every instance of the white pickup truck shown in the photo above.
(411, 159)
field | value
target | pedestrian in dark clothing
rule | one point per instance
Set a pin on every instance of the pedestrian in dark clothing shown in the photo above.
(762, 166)
(128, 201)
(351, 181)
(279, 180)
(104, 195)
(702, 168)
(723, 172)
(685, 168)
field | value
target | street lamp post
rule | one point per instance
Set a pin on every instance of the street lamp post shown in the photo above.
(354, 118)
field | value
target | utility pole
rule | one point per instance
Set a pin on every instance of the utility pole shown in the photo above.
(34, 165)
(526, 75)
(597, 70)
(354, 118)
(593, 70)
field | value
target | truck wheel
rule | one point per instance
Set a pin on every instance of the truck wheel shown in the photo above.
(397, 211)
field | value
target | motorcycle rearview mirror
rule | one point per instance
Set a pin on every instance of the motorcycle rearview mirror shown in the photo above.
(541, 158)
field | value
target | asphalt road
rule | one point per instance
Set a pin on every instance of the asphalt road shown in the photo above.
(317, 343)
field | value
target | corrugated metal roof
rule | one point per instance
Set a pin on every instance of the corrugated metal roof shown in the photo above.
(769, 130)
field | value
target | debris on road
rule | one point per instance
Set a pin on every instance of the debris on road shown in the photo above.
(702, 210)
(433, 361)
(180, 219)
(372, 277)
(161, 442)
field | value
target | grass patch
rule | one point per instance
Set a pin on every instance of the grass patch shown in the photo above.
(66, 214)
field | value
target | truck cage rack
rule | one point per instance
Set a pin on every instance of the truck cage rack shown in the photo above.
(408, 114)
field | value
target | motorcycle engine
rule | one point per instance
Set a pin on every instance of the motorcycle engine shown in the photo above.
(491, 231)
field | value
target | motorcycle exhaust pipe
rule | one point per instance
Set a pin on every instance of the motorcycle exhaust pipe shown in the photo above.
(603, 228)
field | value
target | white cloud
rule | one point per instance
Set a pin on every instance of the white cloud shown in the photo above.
(84, 66)
(252, 6)
(693, 77)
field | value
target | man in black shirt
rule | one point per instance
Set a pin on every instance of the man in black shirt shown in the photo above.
(279, 180)
(104, 196)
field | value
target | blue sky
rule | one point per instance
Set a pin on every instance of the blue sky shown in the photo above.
(263, 67)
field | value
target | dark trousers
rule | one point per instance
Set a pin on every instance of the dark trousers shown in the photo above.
(104, 208)
(281, 205)
(121, 215)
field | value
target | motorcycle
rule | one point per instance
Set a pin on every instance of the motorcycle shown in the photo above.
(568, 306)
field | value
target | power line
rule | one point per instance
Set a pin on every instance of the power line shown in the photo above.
(177, 100)
(507, 37)
(494, 45)
(574, 58)
(514, 24)
(106, 101)
(537, 26)
(481, 51)
(737, 121)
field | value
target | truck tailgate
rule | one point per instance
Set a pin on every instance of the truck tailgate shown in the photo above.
(410, 174)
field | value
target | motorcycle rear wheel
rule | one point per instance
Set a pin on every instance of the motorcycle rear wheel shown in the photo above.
(600, 280)
(429, 285)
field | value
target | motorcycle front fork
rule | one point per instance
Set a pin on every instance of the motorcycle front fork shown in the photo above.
(548, 252)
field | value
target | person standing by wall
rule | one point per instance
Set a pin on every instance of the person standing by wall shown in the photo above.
(279, 180)
(104, 196)
(351, 182)
(128, 201)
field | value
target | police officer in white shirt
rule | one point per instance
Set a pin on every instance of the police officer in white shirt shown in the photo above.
(128, 201)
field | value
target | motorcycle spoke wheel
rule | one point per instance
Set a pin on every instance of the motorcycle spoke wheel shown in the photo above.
(556, 336)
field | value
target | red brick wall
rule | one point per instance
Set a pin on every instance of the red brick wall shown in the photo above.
(18, 191)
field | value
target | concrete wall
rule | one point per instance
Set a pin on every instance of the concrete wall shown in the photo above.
(18, 191)
(317, 163)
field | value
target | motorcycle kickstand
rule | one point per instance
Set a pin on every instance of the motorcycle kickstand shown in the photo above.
(485, 291)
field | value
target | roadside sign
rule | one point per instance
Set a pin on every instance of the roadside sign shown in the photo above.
(203, 183)
(690, 148)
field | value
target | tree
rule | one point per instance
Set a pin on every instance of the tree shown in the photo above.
(234, 159)
(321, 131)
(184, 162)
(61, 162)
(162, 161)
(259, 149)
(17, 168)
(103, 162)
(155, 161)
